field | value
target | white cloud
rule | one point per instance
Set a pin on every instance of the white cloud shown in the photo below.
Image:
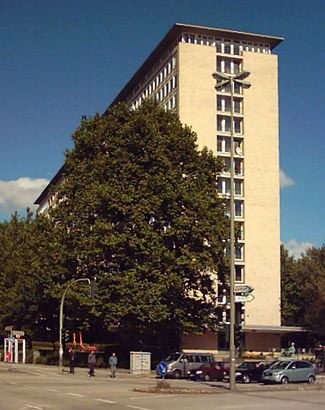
(20, 193)
(285, 181)
(296, 249)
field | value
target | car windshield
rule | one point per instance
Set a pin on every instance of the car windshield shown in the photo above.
(280, 365)
(173, 357)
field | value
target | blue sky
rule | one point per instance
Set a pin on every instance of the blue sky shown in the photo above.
(66, 58)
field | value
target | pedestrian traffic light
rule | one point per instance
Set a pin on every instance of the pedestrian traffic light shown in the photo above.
(93, 289)
(238, 333)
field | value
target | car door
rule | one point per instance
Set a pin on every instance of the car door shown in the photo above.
(292, 372)
(303, 371)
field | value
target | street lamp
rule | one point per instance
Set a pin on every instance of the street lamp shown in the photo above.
(224, 79)
(61, 320)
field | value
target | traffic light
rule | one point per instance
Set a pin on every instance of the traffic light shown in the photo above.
(238, 333)
(65, 335)
(93, 289)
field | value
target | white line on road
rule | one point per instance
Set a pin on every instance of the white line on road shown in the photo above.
(76, 394)
(151, 397)
(31, 406)
(106, 401)
(139, 408)
(54, 390)
(239, 406)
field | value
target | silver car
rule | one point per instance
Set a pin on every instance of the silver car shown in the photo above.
(285, 371)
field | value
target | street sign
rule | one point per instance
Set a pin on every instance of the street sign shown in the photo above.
(244, 298)
(9, 328)
(162, 368)
(243, 289)
(17, 333)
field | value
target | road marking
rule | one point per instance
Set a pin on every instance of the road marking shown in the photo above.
(30, 406)
(14, 383)
(139, 408)
(239, 406)
(151, 397)
(54, 390)
(106, 401)
(76, 394)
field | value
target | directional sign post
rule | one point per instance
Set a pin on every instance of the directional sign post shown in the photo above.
(162, 369)
(244, 298)
(243, 289)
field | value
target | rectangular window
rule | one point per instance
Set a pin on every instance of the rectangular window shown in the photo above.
(239, 273)
(238, 166)
(238, 188)
(237, 105)
(239, 209)
(238, 125)
(237, 88)
(238, 149)
(239, 252)
(227, 48)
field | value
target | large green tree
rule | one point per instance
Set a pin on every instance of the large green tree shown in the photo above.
(303, 290)
(27, 274)
(139, 210)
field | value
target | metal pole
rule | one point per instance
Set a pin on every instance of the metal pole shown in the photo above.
(232, 350)
(61, 321)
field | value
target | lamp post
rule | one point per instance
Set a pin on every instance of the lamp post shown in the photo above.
(224, 79)
(61, 320)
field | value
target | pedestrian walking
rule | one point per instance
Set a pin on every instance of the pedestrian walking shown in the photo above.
(91, 364)
(113, 364)
(72, 356)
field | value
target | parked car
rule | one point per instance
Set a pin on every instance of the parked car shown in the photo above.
(285, 371)
(180, 364)
(210, 371)
(249, 371)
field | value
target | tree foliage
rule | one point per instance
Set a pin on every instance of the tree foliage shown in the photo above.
(139, 211)
(27, 271)
(303, 289)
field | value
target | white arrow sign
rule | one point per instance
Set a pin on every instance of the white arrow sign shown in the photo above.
(242, 288)
(244, 298)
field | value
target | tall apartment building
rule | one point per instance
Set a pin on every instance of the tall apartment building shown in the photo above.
(178, 75)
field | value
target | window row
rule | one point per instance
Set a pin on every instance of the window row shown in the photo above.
(224, 145)
(224, 186)
(171, 104)
(237, 89)
(228, 65)
(225, 46)
(239, 252)
(166, 89)
(238, 208)
(224, 124)
(159, 95)
(224, 104)
(238, 166)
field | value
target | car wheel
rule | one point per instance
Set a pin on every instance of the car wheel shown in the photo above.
(311, 379)
(284, 380)
(207, 378)
(177, 374)
(246, 379)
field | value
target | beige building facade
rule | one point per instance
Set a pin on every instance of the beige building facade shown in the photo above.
(178, 75)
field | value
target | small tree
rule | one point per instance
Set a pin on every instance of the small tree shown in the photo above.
(139, 209)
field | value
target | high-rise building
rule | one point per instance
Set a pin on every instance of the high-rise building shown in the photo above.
(178, 74)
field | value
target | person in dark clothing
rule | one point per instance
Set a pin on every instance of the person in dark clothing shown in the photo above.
(91, 364)
(113, 364)
(72, 356)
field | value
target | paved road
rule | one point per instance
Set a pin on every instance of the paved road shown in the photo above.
(42, 388)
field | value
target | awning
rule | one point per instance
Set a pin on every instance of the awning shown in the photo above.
(273, 329)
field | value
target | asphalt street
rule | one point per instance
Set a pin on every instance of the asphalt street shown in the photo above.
(26, 387)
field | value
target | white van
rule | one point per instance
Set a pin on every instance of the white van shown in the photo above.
(180, 364)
